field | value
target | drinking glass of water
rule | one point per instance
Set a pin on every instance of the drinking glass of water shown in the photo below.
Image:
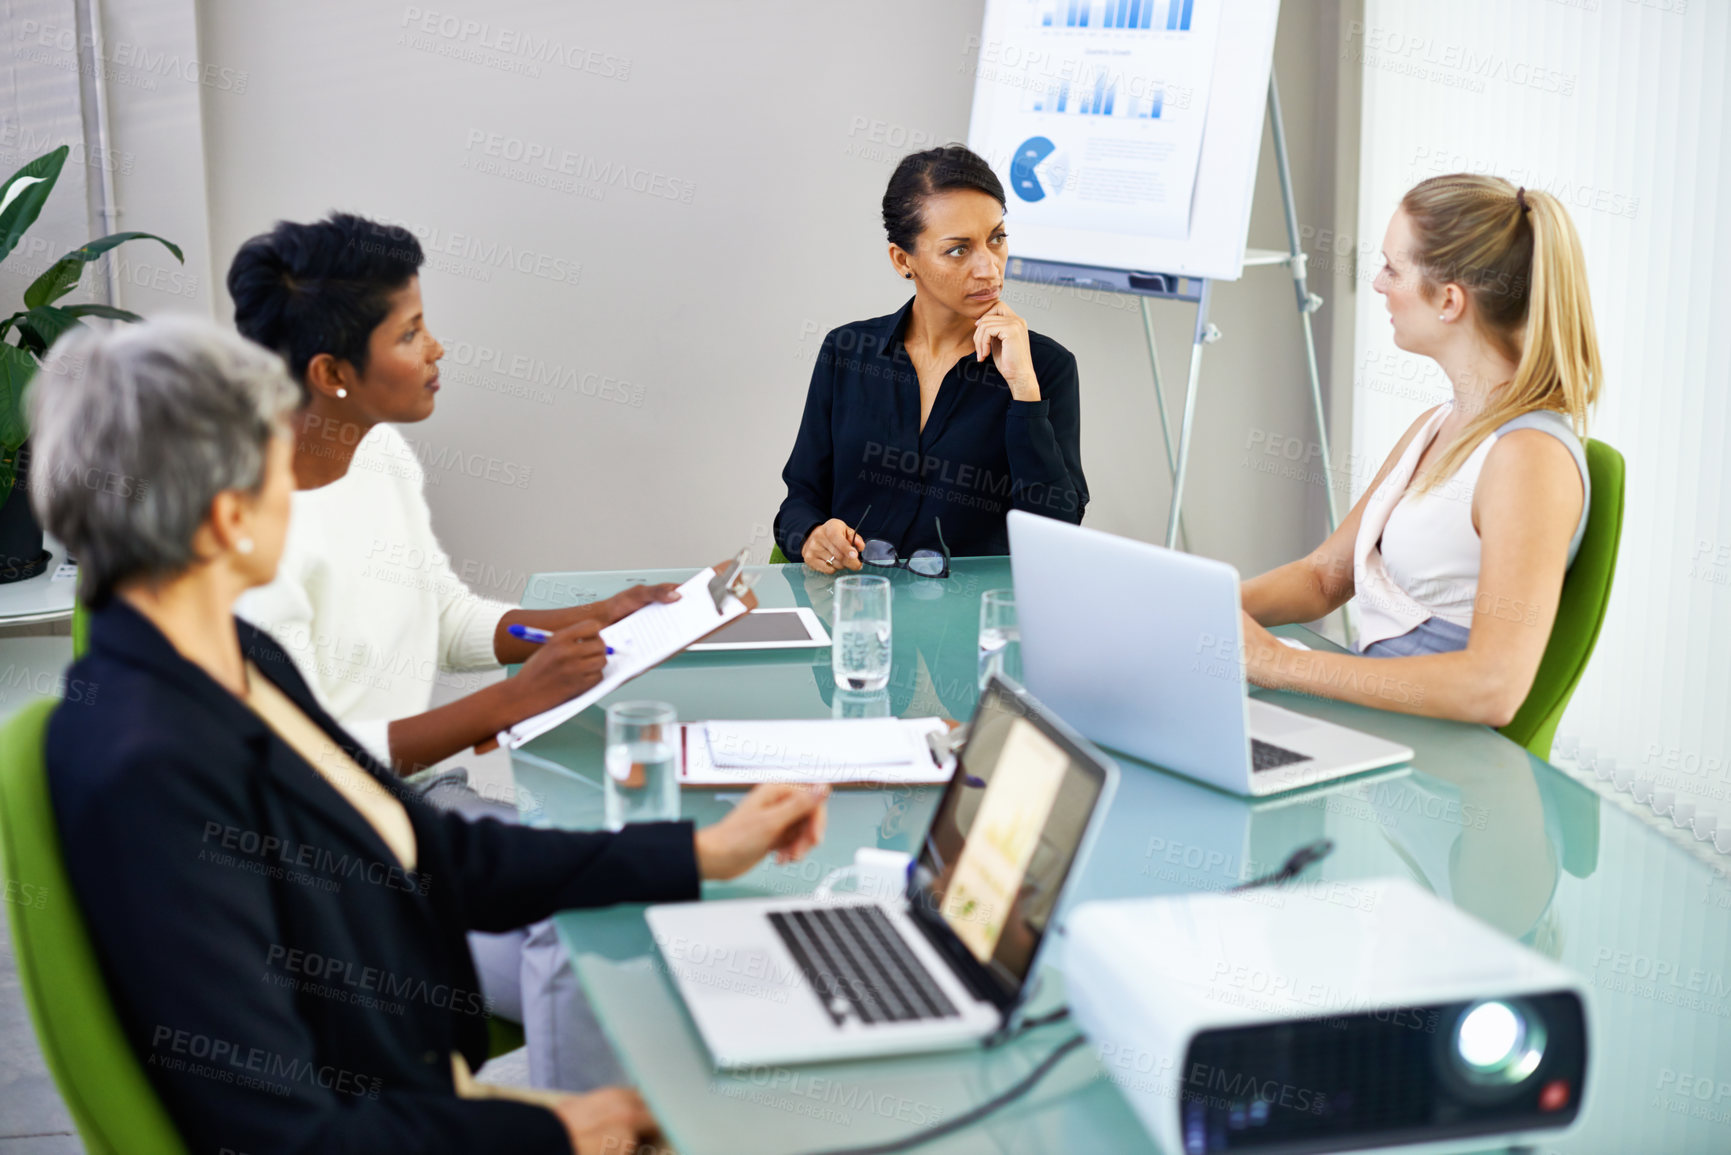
(861, 704)
(1000, 638)
(642, 763)
(860, 653)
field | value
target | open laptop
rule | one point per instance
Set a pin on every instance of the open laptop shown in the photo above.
(945, 963)
(1141, 648)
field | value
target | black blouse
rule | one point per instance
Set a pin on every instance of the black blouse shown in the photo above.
(980, 455)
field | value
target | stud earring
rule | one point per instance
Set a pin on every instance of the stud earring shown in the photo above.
(1442, 316)
(342, 392)
(909, 276)
(244, 545)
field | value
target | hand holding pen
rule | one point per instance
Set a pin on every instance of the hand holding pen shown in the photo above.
(566, 662)
(534, 634)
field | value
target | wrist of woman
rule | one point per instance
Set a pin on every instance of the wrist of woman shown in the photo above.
(703, 845)
(503, 705)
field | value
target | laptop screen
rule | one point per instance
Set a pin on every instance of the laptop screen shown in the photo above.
(1004, 839)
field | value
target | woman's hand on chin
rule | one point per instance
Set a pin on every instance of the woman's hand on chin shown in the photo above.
(1003, 336)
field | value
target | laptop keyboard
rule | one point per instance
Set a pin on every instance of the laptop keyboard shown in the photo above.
(858, 964)
(1267, 756)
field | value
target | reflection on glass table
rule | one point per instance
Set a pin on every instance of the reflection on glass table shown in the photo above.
(1505, 837)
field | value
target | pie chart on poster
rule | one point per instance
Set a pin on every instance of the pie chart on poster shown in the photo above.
(1038, 169)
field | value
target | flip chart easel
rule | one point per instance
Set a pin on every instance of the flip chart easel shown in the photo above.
(1196, 291)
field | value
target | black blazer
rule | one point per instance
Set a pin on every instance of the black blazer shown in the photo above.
(980, 455)
(287, 985)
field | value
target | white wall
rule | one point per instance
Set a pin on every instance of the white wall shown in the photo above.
(704, 313)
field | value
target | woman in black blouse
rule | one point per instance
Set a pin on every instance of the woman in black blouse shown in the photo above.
(945, 415)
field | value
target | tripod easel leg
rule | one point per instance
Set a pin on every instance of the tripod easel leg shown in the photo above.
(1308, 302)
(1160, 403)
(1205, 333)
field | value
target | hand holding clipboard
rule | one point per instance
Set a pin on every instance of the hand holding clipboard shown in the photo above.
(643, 640)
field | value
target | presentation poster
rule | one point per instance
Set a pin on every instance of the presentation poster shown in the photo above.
(1092, 111)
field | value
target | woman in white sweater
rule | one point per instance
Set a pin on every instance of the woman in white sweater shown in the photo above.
(366, 602)
(1455, 555)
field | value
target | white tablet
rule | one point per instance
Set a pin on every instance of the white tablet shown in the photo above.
(791, 628)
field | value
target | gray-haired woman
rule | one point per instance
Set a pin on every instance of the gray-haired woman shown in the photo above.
(280, 924)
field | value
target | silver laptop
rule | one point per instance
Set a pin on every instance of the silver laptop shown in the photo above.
(1141, 648)
(946, 962)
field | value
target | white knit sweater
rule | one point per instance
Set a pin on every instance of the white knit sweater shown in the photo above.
(365, 600)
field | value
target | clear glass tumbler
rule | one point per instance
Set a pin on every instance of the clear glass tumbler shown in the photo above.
(1000, 638)
(860, 653)
(860, 704)
(642, 763)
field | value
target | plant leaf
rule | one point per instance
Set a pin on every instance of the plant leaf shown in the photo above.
(40, 327)
(60, 279)
(62, 276)
(108, 311)
(17, 186)
(23, 204)
(17, 367)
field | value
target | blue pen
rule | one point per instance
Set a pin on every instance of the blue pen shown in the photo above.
(533, 634)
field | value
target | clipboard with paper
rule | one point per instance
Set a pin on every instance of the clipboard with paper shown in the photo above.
(643, 640)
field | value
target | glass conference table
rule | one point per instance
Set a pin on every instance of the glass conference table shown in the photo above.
(1504, 836)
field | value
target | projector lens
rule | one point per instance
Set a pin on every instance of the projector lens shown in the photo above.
(1496, 1042)
(1489, 1034)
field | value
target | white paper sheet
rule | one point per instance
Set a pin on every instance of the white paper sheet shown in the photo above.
(640, 642)
(878, 750)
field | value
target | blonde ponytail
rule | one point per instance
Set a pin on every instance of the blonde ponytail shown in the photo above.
(1516, 253)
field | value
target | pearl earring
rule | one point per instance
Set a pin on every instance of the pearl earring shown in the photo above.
(1442, 316)
(342, 392)
(244, 545)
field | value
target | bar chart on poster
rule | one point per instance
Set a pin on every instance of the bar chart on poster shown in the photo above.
(1126, 132)
(1174, 14)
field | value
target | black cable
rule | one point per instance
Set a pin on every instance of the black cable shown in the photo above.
(1299, 859)
(1027, 1025)
(1042, 1020)
(968, 1118)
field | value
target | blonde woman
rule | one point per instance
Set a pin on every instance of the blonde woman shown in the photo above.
(1455, 555)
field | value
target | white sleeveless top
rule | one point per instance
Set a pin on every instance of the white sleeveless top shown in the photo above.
(1417, 554)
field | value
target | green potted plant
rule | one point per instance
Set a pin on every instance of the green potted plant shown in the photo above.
(25, 337)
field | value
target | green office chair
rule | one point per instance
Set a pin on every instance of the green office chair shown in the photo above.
(503, 1035)
(80, 630)
(776, 557)
(1580, 610)
(99, 1077)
